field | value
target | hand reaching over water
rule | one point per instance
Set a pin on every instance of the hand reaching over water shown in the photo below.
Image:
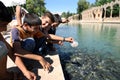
(68, 39)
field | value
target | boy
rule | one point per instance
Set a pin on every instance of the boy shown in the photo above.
(23, 42)
(52, 30)
(47, 20)
(5, 49)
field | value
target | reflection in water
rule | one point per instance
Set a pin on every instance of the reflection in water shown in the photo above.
(94, 40)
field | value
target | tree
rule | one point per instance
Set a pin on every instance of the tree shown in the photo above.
(36, 6)
(40, 7)
(63, 14)
(102, 2)
(82, 5)
(66, 14)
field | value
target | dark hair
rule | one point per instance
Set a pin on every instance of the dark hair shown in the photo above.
(32, 19)
(5, 14)
(50, 15)
(58, 17)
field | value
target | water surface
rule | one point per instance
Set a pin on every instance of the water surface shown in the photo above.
(97, 38)
(98, 55)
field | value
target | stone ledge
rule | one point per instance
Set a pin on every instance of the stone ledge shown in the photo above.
(55, 74)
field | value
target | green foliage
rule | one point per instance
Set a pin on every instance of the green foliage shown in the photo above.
(36, 6)
(82, 5)
(116, 9)
(102, 2)
(67, 14)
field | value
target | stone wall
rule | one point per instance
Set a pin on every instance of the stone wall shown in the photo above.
(98, 14)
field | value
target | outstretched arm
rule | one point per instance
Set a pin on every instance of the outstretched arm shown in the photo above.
(64, 21)
(18, 15)
(55, 37)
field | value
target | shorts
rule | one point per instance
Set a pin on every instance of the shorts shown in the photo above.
(28, 44)
(37, 45)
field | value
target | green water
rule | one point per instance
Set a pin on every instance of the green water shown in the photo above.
(93, 38)
(97, 56)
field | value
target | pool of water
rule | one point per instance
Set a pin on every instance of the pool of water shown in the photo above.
(93, 38)
(99, 45)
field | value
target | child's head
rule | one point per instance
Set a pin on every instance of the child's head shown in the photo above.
(58, 20)
(5, 17)
(31, 22)
(47, 19)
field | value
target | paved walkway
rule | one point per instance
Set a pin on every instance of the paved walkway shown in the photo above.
(56, 71)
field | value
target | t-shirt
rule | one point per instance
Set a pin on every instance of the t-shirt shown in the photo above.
(19, 34)
(3, 49)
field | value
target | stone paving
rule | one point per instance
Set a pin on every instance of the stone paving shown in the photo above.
(56, 72)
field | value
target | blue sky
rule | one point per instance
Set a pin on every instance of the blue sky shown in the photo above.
(59, 6)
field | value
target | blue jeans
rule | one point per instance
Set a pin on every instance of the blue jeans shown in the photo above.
(35, 45)
(28, 44)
